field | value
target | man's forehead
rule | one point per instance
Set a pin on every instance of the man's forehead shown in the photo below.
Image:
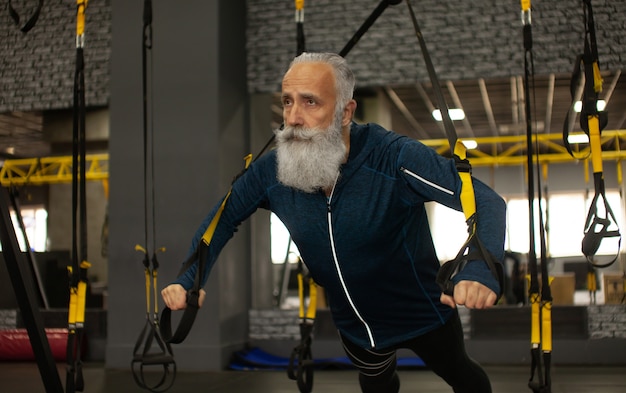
(308, 74)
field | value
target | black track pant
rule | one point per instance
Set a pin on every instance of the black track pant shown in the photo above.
(442, 350)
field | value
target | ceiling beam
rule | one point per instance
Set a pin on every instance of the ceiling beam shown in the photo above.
(457, 103)
(609, 92)
(428, 103)
(397, 101)
(549, 103)
(487, 104)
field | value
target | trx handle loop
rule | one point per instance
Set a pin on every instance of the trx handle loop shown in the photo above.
(30, 23)
(593, 121)
(301, 363)
(598, 228)
(200, 256)
(473, 248)
(151, 349)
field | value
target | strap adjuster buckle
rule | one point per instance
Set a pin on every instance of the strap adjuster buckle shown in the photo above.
(462, 165)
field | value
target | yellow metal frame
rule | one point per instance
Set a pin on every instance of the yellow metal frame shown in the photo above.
(54, 170)
(51, 170)
(514, 153)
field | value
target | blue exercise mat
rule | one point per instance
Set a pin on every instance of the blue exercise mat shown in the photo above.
(257, 359)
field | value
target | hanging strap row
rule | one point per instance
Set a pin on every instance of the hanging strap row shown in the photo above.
(473, 248)
(79, 268)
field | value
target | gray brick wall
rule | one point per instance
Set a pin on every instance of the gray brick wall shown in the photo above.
(274, 325)
(37, 68)
(607, 321)
(8, 319)
(466, 40)
(604, 322)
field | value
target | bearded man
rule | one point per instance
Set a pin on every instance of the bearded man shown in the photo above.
(352, 197)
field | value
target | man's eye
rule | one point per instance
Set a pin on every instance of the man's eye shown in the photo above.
(310, 102)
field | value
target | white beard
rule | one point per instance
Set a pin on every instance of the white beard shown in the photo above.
(309, 159)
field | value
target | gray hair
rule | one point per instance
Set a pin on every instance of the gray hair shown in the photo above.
(344, 78)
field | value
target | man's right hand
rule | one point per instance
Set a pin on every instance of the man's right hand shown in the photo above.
(175, 297)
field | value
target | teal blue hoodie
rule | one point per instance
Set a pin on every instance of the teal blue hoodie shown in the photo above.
(369, 244)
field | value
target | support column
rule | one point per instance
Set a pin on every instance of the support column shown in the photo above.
(199, 114)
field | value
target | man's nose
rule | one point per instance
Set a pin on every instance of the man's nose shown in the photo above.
(293, 116)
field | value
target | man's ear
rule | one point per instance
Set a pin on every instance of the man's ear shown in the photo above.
(348, 113)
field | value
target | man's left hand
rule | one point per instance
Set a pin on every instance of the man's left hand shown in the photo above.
(470, 294)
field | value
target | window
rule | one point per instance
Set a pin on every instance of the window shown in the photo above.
(35, 221)
(280, 240)
(566, 215)
(448, 229)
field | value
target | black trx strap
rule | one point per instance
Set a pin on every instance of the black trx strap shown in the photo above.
(541, 301)
(78, 269)
(600, 224)
(301, 364)
(151, 349)
(26, 298)
(382, 6)
(300, 26)
(14, 197)
(30, 23)
(473, 249)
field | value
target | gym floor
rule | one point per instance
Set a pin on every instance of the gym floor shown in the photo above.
(24, 377)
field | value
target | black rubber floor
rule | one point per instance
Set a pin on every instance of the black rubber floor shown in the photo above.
(25, 378)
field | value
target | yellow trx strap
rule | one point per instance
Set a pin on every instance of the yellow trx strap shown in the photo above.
(600, 224)
(592, 283)
(78, 271)
(208, 233)
(199, 256)
(151, 350)
(80, 22)
(540, 298)
(473, 248)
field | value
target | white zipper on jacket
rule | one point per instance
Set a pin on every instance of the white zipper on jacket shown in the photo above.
(434, 185)
(335, 259)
